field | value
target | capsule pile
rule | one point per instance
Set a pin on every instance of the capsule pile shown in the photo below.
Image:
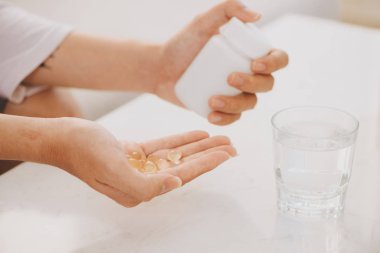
(153, 164)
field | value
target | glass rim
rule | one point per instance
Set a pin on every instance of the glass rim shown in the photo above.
(352, 132)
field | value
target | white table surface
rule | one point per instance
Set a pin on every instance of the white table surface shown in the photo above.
(232, 209)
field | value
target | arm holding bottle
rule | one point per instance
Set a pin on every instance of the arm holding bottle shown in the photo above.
(86, 61)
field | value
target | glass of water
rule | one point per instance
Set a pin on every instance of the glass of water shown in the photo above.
(314, 150)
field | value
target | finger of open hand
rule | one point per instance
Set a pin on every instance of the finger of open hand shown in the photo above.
(190, 170)
(226, 148)
(251, 83)
(275, 60)
(196, 147)
(173, 141)
(203, 145)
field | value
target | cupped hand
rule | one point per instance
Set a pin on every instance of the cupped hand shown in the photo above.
(179, 52)
(91, 153)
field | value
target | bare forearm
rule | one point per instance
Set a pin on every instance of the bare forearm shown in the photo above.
(25, 139)
(96, 63)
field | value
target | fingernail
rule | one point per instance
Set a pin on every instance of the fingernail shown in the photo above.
(237, 80)
(254, 15)
(170, 184)
(217, 103)
(258, 66)
(243, 3)
(215, 119)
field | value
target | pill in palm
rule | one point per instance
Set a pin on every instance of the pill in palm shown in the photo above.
(138, 164)
(150, 167)
(153, 158)
(163, 164)
(174, 156)
(136, 155)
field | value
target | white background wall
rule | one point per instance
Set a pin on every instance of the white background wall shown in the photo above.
(152, 20)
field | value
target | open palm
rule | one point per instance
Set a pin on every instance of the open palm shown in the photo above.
(200, 152)
(91, 153)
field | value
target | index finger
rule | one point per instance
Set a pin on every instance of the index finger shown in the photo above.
(275, 60)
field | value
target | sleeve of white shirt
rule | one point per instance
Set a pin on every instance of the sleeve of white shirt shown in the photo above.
(26, 41)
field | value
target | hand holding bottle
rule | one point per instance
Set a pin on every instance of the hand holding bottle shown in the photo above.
(180, 52)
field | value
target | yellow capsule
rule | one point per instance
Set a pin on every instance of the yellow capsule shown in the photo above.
(150, 167)
(174, 156)
(163, 164)
(137, 164)
(153, 158)
(136, 155)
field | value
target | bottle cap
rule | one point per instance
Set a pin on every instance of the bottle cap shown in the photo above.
(246, 38)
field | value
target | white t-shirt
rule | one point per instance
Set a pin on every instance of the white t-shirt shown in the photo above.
(26, 41)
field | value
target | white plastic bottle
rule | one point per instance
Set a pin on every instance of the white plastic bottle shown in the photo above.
(232, 50)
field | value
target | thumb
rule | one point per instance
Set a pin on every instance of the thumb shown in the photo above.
(157, 184)
(210, 21)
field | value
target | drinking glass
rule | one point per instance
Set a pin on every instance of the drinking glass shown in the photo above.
(314, 150)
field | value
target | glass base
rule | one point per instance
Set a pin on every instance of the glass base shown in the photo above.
(323, 205)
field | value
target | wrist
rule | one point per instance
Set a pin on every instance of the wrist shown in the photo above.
(55, 148)
(49, 149)
(139, 67)
(154, 68)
